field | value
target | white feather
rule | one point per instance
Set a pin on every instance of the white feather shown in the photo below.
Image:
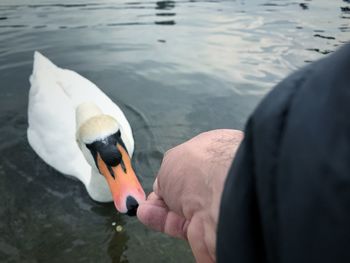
(54, 95)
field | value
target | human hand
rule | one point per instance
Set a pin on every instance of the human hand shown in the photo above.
(186, 194)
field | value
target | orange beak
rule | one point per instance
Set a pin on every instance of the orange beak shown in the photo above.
(126, 189)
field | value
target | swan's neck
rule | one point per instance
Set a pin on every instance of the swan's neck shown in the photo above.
(98, 188)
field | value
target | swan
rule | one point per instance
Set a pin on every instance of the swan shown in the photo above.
(75, 128)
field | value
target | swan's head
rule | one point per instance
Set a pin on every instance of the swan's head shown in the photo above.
(100, 139)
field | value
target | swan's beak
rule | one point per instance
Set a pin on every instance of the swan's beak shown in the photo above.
(126, 189)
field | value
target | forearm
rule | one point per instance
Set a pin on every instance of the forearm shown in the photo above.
(222, 152)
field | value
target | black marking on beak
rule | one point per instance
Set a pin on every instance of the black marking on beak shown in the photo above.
(107, 148)
(111, 171)
(122, 164)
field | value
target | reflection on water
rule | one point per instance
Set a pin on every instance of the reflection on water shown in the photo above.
(165, 5)
(176, 68)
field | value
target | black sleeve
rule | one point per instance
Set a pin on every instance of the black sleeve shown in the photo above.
(287, 194)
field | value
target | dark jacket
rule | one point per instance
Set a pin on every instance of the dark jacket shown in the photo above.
(287, 195)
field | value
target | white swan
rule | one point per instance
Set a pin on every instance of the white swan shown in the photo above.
(75, 128)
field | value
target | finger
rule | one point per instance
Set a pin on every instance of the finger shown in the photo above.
(175, 225)
(153, 196)
(153, 213)
(156, 215)
(197, 238)
(156, 186)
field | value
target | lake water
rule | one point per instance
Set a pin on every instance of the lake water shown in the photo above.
(176, 68)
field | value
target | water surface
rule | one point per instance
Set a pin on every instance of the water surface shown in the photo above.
(176, 68)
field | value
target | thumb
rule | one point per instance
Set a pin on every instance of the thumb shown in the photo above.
(155, 214)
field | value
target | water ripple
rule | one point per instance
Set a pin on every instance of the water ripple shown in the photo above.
(165, 23)
(324, 37)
